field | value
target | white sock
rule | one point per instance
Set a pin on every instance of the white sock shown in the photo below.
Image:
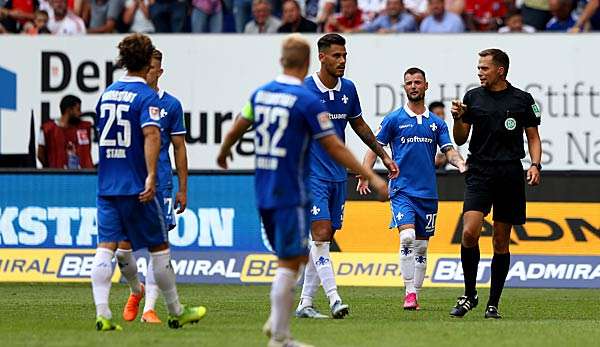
(420, 263)
(101, 275)
(319, 253)
(407, 259)
(152, 290)
(310, 285)
(282, 300)
(128, 268)
(165, 279)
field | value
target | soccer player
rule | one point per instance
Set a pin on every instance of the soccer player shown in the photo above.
(414, 134)
(499, 115)
(286, 116)
(328, 178)
(173, 131)
(128, 205)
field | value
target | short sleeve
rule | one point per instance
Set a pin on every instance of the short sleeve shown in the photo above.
(467, 116)
(318, 120)
(443, 137)
(150, 111)
(178, 126)
(384, 132)
(533, 115)
(356, 109)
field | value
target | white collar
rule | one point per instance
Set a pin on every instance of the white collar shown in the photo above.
(412, 114)
(161, 93)
(127, 78)
(322, 87)
(287, 79)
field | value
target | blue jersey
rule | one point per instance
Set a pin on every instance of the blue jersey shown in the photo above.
(414, 140)
(124, 108)
(342, 104)
(286, 116)
(171, 121)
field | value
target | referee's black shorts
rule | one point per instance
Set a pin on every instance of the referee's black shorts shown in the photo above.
(497, 184)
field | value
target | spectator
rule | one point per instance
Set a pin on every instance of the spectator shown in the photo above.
(168, 16)
(64, 22)
(39, 24)
(16, 13)
(455, 6)
(66, 143)
(484, 15)
(103, 15)
(293, 22)
(242, 12)
(137, 16)
(536, 13)
(591, 13)
(417, 8)
(438, 108)
(263, 22)
(372, 8)
(514, 23)
(562, 18)
(440, 20)
(325, 10)
(396, 20)
(207, 16)
(349, 19)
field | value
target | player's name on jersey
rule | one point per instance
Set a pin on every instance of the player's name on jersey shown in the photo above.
(266, 163)
(270, 98)
(119, 96)
(116, 153)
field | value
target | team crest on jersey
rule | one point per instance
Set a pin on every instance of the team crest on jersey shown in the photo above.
(345, 99)
(510, 123)
(154, 113)
(324, 121)
(433, 127)
(536, 110)
(315, 210)
(163, 113)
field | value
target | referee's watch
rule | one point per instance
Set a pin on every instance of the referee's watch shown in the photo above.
(538, 165)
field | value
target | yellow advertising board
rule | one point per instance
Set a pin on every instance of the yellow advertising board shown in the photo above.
(48, 265)
(552, 228)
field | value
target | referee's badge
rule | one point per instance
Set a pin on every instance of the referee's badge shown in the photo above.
(510, 123)
(536, 110)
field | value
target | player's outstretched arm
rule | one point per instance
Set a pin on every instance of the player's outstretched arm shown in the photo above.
(181, 165)
(362, 129)
(460, 130)
(454, 158)
(236, 132)
(151, 151)
(336, 149)
(535, 152)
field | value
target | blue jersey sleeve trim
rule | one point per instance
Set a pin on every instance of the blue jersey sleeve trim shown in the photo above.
(178, 132)
(446, 145)
(323, 134)
(354, 117)
(150, 123)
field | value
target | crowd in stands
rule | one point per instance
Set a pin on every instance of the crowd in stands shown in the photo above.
(73, 17)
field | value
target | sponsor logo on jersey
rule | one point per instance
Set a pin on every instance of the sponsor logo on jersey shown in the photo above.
(154, 113)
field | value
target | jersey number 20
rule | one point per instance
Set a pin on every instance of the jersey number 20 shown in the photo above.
(266, 116)
(115, 111)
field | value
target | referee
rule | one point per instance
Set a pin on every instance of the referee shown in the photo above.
(498, 113)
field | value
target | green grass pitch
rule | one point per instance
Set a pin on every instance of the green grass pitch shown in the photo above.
(63, 315)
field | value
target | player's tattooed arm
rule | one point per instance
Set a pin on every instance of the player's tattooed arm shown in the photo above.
(362, 129)
(454, 158)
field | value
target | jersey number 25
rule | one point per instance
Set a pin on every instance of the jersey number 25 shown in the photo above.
(115, 111)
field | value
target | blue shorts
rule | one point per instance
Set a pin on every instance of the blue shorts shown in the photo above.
(328, 199)
(411, 210)
(122, 218)
(287, 230)
(167, 208)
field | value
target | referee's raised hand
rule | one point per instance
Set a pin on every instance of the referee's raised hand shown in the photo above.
(458, 109)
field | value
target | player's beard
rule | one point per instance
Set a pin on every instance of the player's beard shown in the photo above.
(333, 71)
(73, 120)
(415, 98)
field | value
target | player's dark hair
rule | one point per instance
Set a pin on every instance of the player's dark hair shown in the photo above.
(156, 54)
(436, 104)
(415, 70)
(69, 101)
(499, 58)
(135, 52)
(329, 40)
(513, 12)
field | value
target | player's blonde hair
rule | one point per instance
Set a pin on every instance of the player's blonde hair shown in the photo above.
(295, 51)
